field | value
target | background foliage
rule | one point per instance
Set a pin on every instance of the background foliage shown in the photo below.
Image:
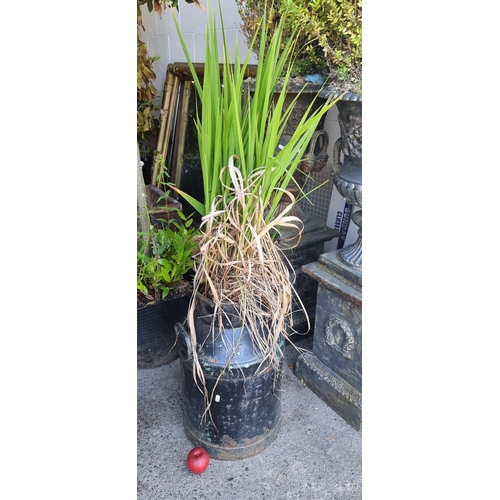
(329, 33)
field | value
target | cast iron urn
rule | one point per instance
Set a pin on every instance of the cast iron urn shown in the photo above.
(347, 175)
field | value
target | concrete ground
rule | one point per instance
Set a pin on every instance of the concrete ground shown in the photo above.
(316, 454)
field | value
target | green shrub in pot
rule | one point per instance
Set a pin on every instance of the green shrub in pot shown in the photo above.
(165, 260)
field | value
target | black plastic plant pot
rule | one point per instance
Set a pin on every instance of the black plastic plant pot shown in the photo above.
(155, 331)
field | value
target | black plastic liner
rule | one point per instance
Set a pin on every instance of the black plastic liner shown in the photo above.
(155, 331)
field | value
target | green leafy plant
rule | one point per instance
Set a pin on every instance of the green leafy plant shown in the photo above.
(245, 174)
(247, 124)
(165, 259)
(329, 33)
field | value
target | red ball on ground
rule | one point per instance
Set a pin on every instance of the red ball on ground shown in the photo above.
(198, 460)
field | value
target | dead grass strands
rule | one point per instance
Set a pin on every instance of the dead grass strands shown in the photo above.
(240, 265)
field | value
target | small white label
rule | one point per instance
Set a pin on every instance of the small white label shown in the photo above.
(217, 398)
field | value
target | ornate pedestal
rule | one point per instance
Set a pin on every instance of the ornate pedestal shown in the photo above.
(333, 369)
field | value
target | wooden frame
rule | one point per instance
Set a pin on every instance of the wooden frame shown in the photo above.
(177, 92)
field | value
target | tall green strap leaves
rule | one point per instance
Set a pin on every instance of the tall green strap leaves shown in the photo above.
(246, 122)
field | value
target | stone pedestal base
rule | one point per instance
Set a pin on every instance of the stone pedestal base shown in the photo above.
(333, 369)
(309, 250)
(335, 391)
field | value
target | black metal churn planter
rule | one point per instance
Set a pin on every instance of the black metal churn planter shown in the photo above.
(245, 411)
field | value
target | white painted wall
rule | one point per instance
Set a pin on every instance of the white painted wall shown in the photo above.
(162, 40)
